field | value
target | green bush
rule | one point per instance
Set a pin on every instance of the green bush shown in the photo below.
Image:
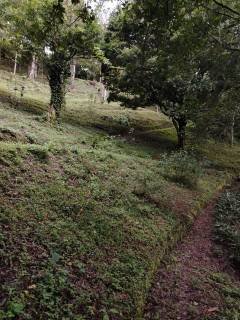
(181, 167)
(227, 215)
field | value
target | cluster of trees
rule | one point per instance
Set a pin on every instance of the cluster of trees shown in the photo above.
(181, 55)
(54, 31)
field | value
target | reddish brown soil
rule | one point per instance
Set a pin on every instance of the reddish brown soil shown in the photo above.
(182, 290)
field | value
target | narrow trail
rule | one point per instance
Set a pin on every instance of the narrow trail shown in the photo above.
(181, 290)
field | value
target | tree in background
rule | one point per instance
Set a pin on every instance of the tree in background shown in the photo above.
(60, 30)
(153, 47)
(221, 59)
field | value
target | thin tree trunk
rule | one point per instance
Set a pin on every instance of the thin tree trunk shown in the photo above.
(180, 126)
(232, 127)
(15, 64)
(103, 91)
(33, 69)
(73, 73)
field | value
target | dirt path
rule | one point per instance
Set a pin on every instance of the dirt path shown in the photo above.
(182, 290)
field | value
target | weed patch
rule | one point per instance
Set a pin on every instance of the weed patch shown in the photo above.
(181, 167)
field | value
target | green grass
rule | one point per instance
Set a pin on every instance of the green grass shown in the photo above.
(86, 217)
(227, 292)
(83, 106)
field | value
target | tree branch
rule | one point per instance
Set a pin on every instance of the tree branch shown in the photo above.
(224, 44)
(226, 7)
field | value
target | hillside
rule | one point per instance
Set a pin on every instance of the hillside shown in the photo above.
(86, 217)
(83, 105)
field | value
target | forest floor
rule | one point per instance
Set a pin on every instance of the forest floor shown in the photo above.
(198, 281)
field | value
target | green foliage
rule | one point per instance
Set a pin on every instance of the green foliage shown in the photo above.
(227, 223)
(14, 309)
(230, 295)
(41, 153)
(59, 31)
(154, 56)
(181, 167)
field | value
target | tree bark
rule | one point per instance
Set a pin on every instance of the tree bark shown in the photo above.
(33, 69)
(180, 126)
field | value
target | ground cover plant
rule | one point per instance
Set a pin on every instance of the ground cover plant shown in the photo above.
(226, 223)
(81, 215)
(83, 106)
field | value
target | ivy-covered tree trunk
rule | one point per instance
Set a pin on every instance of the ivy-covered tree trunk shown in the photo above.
(58, 91)
(180, 124)
(58, 71)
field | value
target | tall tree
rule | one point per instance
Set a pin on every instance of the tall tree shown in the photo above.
(221, 59)
(153, 46)
(60, 30)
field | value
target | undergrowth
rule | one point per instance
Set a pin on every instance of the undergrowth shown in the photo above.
(229, 293)
(85, 218)
(227, 227)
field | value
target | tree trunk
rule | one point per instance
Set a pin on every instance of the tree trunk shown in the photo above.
(180, 126)
(232, 127)
(73, 73)
(57, 102)
(58, 67)
(57, 83)
(33, 69)
(103, 91)
(15, 64)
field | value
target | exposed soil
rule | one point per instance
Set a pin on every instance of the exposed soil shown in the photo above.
(181, 289)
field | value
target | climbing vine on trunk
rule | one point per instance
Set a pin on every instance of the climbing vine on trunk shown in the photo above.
(58, 68)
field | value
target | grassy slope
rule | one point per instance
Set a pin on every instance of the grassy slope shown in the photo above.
(83, 105)
(85, 217)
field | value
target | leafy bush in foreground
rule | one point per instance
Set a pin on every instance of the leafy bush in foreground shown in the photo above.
(227, 223)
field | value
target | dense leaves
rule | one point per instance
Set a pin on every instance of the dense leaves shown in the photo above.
(168, 54)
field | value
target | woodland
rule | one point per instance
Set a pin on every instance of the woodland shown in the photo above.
(119, 159)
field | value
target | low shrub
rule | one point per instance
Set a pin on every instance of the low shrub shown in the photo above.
(181, 167)
(227, 228)
(41, 153)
